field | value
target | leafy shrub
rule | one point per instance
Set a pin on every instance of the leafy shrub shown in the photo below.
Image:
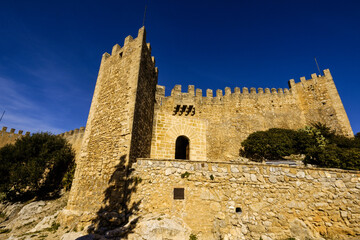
(321, 146)
(34, 166)
(338, 152)
(5, 230)
(333, 156)
(54, 227)
(68, 176)
(275, 144)
(192, 237)
(185, 174)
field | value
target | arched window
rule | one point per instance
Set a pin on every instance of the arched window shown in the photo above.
(182, 148)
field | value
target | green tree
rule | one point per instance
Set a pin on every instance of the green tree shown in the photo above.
(34, 166)
(275, 143)
(332, 156)
(321, 146)
(338, 152)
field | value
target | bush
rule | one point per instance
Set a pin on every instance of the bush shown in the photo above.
(333, 156)
(69, 176)
(275, 144)
(338, 152)
(192, 237)
(34, 166)
(321, 146)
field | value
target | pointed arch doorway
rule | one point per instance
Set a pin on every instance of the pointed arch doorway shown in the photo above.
(182, 148)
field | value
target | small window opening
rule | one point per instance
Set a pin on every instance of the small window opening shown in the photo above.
(182, 148)
(179, 193)
(121, 54)
(238, 210)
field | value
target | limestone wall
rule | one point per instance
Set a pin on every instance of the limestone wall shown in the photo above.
(169, 127)
(232, 116)
(320, 102)
(74, 137)
(120, 116)
(10, 137)
(144, 105)
(224, 200)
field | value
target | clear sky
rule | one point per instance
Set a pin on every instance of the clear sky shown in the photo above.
(50, 51)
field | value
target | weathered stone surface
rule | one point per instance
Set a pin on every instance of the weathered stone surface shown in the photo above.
(28, 214)
(119, 127)
(302, 232)
(247, 209)
(46, 222)
(155, 227)
(34, 220)
(76, 236)
(216, 125)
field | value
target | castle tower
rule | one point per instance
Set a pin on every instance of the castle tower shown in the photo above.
(319, 101)
(118, 128)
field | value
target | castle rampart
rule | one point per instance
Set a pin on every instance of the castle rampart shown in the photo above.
(74, 137)
(228, 200)
(229, 118)
(10, 137)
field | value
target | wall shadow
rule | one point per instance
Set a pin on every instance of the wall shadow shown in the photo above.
(118, 217)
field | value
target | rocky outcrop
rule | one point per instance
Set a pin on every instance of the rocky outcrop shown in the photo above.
(153, 227)
(32, 220)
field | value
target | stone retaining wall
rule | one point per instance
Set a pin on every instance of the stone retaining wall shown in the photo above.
(248, 201)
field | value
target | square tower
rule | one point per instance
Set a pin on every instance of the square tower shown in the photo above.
(118, 129)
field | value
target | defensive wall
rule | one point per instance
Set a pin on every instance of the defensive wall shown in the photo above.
(74, 137)
(229, 200)
(10, 137)
(216, 125)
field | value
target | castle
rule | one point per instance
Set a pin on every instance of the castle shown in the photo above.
(170, 162)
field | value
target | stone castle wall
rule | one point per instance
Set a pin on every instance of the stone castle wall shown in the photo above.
(118, 129)
(169, 127)
(229, 118)
(10, 137)
(144, 106)
(74, 137)
(320, 102)
(224, 200)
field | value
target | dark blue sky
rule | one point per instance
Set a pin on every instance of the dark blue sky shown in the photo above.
(50, 51)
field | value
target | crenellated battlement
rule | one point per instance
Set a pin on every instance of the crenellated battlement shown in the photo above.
(313, 80)
(119, 52)
(221, 96)
(74, 137)
(74, 132)
(12, 131)
(10, 137)
(304, 102)
(176, 91)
